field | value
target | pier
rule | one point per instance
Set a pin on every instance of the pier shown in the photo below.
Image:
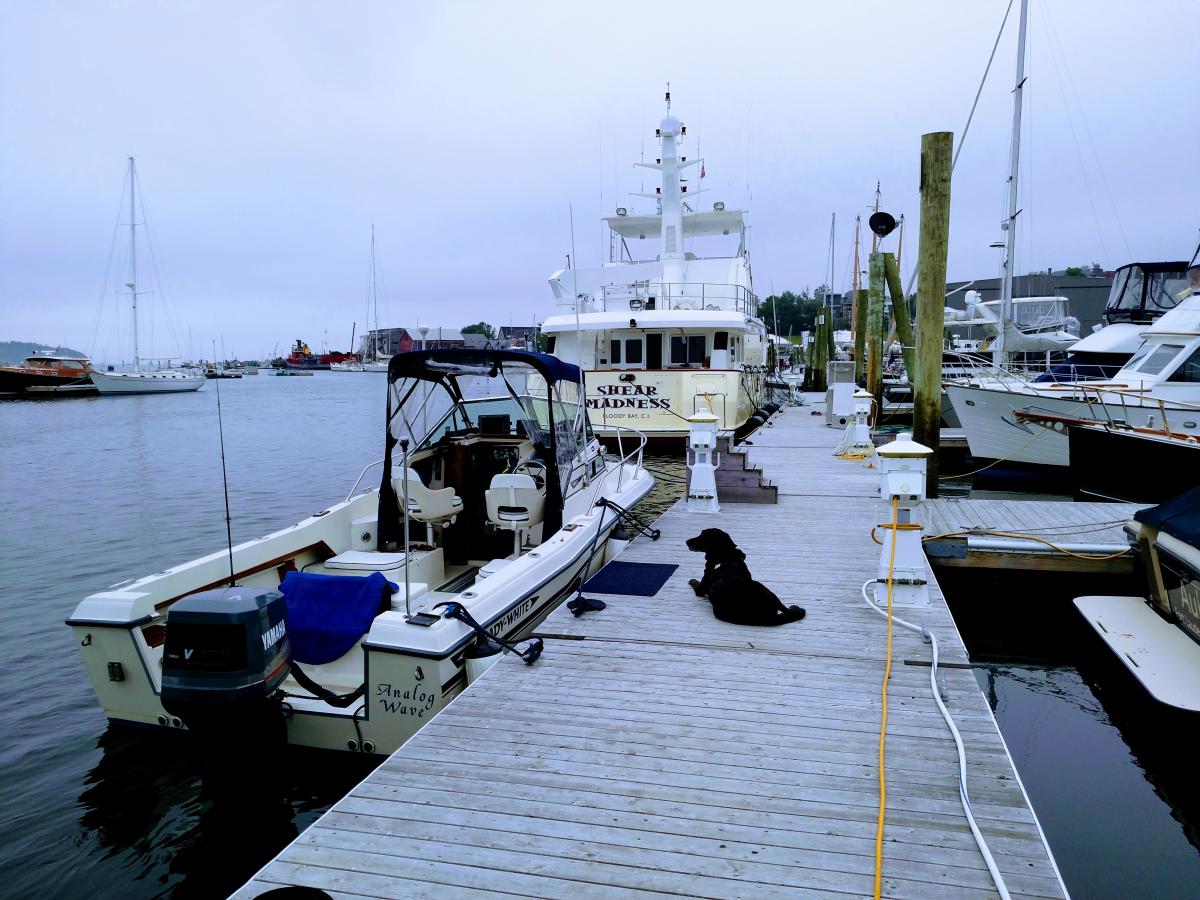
(655, 749)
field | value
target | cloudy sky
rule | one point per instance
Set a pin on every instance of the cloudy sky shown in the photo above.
(270, 136)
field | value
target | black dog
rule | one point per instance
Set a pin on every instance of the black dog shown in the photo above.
(734, 594)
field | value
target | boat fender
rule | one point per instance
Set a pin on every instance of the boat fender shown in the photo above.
(455, 610)
(481, 656)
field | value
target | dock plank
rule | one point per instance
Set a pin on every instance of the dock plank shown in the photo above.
(656, 750)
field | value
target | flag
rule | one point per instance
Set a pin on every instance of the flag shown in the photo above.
(701, 168)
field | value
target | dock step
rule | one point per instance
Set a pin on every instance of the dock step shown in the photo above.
(737, 480)
(1160, 655)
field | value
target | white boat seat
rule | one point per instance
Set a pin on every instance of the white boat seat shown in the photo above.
(427, 505)
(514, 504)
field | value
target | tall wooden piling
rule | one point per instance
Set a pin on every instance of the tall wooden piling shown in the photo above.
(860, 335)
(875, 332)
(904, 330)
(936, 152)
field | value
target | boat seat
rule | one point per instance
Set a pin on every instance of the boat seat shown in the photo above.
(427, 505)
(514, 504)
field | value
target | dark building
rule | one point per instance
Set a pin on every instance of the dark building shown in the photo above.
(1087, 293)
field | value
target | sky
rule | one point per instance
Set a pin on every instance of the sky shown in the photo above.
(270, 136)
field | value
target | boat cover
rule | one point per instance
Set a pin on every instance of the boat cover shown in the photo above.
(1178, 517)
(327, 614)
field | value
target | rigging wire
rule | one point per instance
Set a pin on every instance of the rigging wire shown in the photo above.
(107, 271)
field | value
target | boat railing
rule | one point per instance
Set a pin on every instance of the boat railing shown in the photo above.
(361, 475)
(634, 456)
(1094, 395)
(689, 295)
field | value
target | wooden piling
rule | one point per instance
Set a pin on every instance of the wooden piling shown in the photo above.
(904, 330)
(936, 152)
(874, 322)
(860, 335)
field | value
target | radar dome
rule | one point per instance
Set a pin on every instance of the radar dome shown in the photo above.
(669, 125)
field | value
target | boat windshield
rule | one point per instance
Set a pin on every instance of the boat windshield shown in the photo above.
(1142, 291)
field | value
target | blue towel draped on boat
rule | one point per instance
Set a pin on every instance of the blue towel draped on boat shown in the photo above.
(327, 614)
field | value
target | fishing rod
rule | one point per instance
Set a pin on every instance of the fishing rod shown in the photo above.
(224, 475)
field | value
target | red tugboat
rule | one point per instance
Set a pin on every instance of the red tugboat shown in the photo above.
(303, 358)
(47, 374)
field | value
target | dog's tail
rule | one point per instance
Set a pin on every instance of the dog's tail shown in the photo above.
(791, 614)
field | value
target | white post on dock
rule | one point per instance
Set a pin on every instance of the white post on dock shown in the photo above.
(703, 462)
(902, 469)
(863, 401)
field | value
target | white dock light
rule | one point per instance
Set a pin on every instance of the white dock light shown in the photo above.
(902, 470)
(702, 446)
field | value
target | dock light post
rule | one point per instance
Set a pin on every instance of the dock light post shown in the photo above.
(902, 470)
(862, 418)
(702, 467)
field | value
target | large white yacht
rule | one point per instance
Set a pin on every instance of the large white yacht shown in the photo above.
(661, 328)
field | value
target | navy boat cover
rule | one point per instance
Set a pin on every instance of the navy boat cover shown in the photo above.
(327, 614)
(1178, 517)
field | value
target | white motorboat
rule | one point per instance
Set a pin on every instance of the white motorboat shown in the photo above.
(138, 380)
(1158, 386)
(1157, 637)
(669, 331)
(494, 506)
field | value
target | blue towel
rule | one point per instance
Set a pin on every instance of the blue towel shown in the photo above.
(327, 614)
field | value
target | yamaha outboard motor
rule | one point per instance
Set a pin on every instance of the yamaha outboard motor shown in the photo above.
(226, 653)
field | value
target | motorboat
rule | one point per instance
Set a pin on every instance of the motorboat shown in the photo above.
(47, 373)
(354, 627)
(1158, 379)
(664, 331)
(1157, 636)
(1112, 460)
(140, 380)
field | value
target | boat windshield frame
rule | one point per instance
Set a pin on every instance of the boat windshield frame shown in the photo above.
(1141, 292)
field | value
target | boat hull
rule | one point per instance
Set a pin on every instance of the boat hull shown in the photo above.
(1131, 467)
(658, 403)
(146, 382)
(16, 383)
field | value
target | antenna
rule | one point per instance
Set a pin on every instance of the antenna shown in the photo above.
(224, 475)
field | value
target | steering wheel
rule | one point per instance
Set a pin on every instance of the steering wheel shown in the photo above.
(535, 469)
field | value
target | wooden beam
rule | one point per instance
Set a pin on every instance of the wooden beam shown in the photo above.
(936, 151)
(874, 327)
(860, 335)
(908, 347)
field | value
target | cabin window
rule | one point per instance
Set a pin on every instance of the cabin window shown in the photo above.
(626, 353)
(687, 350)
(1158, 358)
(654, 348)
(721, 340)
(550, 341)
(1189, 371)
(614, 353)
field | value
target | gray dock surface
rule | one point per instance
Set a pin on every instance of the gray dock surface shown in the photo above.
(654, 749)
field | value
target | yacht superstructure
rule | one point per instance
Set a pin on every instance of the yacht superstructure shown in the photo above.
(665, 331)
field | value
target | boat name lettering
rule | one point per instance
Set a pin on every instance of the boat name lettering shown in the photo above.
(274, 634)
(415, 701)
(628, 396)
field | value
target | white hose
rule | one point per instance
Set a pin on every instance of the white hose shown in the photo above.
(963, 796)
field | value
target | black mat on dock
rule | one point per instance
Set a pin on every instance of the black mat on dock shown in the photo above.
(633, 579)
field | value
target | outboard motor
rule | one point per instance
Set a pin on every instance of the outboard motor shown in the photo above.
(226, 653)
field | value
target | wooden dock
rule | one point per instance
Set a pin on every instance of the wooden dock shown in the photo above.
(654, 749)
(1045, 535)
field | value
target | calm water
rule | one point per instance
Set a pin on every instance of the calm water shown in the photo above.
(99, 490)
(102, 489)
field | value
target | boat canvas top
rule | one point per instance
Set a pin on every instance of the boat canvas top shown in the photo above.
(1142, 291)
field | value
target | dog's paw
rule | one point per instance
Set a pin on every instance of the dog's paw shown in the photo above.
(695, 586)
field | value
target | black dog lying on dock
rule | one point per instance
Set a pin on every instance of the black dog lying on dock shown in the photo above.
(727, 583)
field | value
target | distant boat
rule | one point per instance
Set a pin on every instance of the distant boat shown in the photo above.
(47, 373)
(293, 372)
(138, 381)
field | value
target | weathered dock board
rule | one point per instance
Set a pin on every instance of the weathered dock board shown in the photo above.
(978, 533)
(653, 749)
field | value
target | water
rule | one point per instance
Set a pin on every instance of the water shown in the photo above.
(98, 490)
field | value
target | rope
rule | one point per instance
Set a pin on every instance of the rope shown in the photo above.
(887, 674)
(1029, 443)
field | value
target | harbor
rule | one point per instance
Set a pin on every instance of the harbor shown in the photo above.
(724, 501)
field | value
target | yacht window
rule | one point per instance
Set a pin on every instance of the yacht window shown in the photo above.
(550, 341)
(1189, 371)
(633, 352)
(1138, 356)
(1158, 358)
(687, 350)
(614, 352)
(721, 340)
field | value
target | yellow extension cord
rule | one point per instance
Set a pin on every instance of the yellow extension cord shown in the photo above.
(1011, 534)
(887, 674)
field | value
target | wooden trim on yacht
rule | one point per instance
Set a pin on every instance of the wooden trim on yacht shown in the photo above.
(319, 547)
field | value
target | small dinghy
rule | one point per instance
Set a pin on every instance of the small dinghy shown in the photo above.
(353, 628)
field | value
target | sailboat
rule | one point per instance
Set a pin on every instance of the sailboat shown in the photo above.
(373, 361)
(352, 364)
(139, 381)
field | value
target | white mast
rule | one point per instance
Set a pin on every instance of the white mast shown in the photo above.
(672, 201)
(133, 262)
(374, 297)
(1010, 222)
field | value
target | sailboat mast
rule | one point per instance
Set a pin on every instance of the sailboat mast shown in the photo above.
(133, 261)
(1010, 223)
(374, 294)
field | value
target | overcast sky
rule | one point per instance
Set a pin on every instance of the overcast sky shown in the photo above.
(269, 136)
